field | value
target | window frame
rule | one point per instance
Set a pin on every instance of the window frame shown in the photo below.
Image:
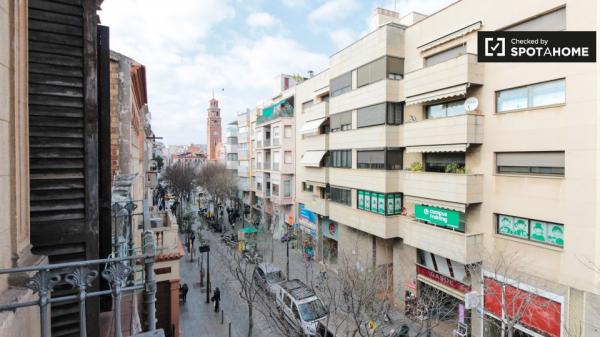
(529, 232)
(530, 97)
(345, 158)
(387, 197)
(529, 172)
(345, 195)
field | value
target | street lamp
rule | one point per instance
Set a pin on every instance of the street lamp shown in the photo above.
(205, 248)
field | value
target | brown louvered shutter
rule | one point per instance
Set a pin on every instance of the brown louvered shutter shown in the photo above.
(63, 138)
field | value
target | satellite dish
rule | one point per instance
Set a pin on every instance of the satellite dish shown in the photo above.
(471, 104)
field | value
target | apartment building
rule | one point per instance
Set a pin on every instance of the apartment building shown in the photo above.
(245, 162)
(473, 180)
(231, 147)
(274, 156)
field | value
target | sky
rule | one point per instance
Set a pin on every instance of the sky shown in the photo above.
(234, 47)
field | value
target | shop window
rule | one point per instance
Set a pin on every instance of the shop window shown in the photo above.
(380, 203)
(531, 163)
(531, 96)
(439, 162)
(528, 229)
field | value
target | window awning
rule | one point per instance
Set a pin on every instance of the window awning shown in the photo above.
(436, 203)
(438, 148)
(312, 126)
(454, 35)
(457, 90)
(312, 158)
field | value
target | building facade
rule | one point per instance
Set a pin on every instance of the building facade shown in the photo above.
(213, 130)
(274, 156)
(469, 200)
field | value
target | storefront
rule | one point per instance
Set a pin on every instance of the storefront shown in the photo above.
(441, 288)
(330, 231)
(308, 231)
(533, 312)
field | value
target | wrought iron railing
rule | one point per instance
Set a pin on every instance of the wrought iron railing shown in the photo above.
(81, 275)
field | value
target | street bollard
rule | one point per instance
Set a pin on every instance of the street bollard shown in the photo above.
(221, 317)
(229, 329)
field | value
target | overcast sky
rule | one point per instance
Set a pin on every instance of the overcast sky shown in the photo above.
(190, 47)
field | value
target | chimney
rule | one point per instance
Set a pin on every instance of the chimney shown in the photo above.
(384, 16)
(311, 74)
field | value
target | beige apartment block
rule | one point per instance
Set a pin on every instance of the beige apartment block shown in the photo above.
(394, 167)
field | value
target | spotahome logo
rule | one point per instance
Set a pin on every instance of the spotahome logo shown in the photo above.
(536, 46)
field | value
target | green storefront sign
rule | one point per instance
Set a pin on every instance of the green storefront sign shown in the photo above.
(438, 216)
(380, 203)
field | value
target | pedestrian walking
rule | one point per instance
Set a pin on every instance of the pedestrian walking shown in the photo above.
(184, 291)
(216, 298)
(322, 273)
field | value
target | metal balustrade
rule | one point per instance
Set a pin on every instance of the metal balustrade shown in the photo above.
(80, 275)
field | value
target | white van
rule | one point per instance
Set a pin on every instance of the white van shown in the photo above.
(301, 306)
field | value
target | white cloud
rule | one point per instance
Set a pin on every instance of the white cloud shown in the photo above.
(333, 10)
(295, 3)
(341, 38)
(261, 19)
(421, 6)
(186, 58)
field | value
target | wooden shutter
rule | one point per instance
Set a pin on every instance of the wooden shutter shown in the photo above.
(63, 138)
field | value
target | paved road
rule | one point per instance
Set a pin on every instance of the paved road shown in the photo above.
(198, 318)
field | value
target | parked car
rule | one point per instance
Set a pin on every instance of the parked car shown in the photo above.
(322, 330)
(301, 306)
(268, 276)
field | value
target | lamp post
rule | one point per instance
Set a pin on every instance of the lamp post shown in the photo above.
(205, 248)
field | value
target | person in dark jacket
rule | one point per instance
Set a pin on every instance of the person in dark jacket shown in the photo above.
(216, 298)
(184, 291)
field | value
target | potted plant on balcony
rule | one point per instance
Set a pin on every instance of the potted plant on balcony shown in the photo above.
(416, 166)
(455, 168)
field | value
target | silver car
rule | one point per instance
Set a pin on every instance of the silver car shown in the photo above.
(267, 276)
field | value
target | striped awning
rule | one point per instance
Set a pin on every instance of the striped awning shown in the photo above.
(454, 35)
(437, 148)
(312, 126)
(312, 158)
(457, 90)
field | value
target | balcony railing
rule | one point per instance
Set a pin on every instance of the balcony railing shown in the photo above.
(267, 142)
(285, 111)
(275, 141)
(275, 166)
(267, 166)
(81, 275)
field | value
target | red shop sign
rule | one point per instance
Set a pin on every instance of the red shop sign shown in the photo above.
(536, 312)
(442, 279)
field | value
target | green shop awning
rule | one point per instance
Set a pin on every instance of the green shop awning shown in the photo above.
(248, 230)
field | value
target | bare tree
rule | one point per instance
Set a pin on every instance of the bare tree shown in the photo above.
(219, 182)
(181, 178)
(506, 284)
